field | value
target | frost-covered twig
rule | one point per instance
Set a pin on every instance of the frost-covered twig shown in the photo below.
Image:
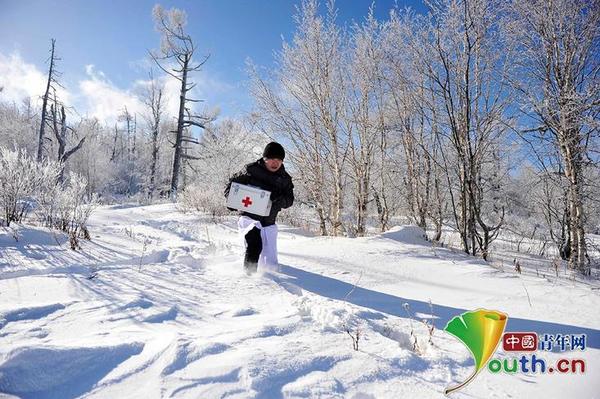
(356, 334)
(429, 323)
(354, 286)
(146, 242)
(415, 342)
(527, 292)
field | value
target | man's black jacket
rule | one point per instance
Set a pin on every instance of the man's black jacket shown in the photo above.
(278, 183)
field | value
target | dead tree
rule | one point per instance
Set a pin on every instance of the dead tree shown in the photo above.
(60, 129)
(51, 84)
(178, 47)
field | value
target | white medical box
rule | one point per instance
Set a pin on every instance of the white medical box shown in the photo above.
(249, 199)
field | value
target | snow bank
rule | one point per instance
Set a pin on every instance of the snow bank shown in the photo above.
(157, 305)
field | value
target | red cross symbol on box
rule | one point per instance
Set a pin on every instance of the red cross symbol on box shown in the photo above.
(247, 202)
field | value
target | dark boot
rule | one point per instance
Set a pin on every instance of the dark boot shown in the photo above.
(250, 267)
(253, 250)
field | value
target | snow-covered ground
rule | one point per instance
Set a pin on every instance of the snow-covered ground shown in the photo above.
(156, 305)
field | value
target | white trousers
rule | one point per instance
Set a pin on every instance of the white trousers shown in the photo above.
(268, 256)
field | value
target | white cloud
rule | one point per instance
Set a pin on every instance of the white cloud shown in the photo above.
(20, 80)
(170, 93)
(96, 96)
(100, 98)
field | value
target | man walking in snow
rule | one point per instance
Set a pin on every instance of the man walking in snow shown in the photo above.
(260, 232)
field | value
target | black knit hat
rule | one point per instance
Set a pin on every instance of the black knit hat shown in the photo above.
(274, 150)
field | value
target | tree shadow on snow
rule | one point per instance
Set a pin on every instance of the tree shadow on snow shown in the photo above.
(393, 305)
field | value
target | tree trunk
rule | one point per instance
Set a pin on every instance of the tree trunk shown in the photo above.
(578, 250)
(363, 197)
(322, 219)
(178, 139)
(45, 105)
(154, 159)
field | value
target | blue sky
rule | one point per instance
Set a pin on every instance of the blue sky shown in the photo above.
(114, 37)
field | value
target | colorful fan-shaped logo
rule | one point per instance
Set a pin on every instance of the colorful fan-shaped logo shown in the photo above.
(480, 330)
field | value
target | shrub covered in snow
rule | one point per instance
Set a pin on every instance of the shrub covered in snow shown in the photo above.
(73, 208)
(23, 180)
(28, 185)
(201, 197)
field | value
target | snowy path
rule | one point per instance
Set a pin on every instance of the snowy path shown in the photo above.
(170, 314)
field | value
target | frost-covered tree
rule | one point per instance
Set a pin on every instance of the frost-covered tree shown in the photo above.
(558, 81)
(461, 55)
(19, 125)
(153, 98)
(411, 116)
(93, 160)
(302, 103)
(365, 120)
(223, 150)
